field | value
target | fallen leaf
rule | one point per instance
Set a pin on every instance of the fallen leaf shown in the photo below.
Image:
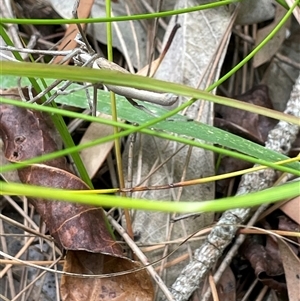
(291, 265)
(268, 51)
(68, 42)
(93, 157)
(81, 230)
(265, 261)
(135, 286)
(292, 209)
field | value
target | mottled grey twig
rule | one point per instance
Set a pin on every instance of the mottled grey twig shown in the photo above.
(233, 250)
(280, 140)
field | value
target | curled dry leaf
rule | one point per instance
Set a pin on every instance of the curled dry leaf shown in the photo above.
(80, 229)
(265, 261)
(134, 286)
(25, 135)
(291, 265)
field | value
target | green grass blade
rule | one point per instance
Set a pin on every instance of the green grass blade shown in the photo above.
(252, 199)
(214, 135)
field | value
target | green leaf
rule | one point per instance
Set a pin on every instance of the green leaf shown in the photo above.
(177, 124)
(78, 74)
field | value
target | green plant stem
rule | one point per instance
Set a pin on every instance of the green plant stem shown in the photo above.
(273, 194)
(113, 98)
(120, 18)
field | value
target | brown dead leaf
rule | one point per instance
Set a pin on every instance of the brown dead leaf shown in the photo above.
(74, 226)
(267, 52)
(287, 224)
(265, 261)
(93, 157)
(292, 209)
(68, 43)
(25, 134)
(226, 287)
(134, 286)
(80, 229)
(291, 265)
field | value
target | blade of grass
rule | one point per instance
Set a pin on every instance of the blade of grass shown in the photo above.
(142, 128)
(136, 81)
(253, 199)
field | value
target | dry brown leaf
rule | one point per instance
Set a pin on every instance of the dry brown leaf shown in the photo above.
(292, 209)
(68, 43)
(265, 261)
(134, 286)
(291, 265)
(93, 157)
(267, 52)
(79, 229)
(227, 286)
(287, 224)
(25, 134)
